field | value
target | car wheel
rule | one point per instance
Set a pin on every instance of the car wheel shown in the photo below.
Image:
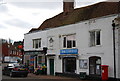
(11, 74)
(3, 72)
(25, 75)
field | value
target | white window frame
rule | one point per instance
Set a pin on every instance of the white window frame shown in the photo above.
(37, 41)
(95, 40)
(66, 36)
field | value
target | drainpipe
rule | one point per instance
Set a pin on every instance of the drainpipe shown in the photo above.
(114, 54)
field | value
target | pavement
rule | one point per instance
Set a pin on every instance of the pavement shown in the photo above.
(32, 77)
(51, 77)
(47, 76)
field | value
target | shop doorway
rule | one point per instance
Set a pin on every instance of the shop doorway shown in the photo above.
(51, 62)
(95, 66)
(69, 64)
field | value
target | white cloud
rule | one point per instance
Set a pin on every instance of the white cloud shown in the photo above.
(32, 0)
(22, 19)
(51, 0)
(13, 33)
(17, 19)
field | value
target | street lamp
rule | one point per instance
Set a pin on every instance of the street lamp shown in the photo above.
(115, 23)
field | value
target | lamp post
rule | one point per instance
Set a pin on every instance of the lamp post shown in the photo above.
(115, 23)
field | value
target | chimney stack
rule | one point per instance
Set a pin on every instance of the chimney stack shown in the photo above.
(68, 5)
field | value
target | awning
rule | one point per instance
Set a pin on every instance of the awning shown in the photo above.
(68, 55)
(50, 55)
(33, 53)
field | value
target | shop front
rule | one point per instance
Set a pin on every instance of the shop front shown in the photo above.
(35, 58)
(69, 57)
(69, 64)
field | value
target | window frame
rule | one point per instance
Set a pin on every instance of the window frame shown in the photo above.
(65, 41)
(94, 42)
(37, 42)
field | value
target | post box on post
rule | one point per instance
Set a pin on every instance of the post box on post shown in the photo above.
(104, 72)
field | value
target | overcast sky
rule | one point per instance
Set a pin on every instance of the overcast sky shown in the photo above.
(17, 17)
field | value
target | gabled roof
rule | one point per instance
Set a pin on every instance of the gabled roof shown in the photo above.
(33, 29)
(81, 14)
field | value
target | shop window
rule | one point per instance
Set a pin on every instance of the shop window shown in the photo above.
(83, 63)
(95, 38)
(69, 65)
(69, 41)
(40, 60)
(36, 43)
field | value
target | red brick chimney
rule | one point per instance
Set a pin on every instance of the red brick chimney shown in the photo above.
(68, 5)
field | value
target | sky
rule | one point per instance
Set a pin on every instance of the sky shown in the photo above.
(17, 17)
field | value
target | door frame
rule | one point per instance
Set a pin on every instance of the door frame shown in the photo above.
(95, 58)
(63, 64)
(50, 66)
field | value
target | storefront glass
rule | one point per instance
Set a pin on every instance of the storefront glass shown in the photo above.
(69, 64)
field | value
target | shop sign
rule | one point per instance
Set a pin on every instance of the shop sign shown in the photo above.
(69, 51)
(62, 56)
(32, 53)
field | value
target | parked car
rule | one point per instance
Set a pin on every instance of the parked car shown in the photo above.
(15, 70)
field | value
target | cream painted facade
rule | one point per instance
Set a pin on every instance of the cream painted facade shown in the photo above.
(81, 30)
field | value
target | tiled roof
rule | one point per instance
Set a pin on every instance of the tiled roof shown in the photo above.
(33, 29)
(81, 14)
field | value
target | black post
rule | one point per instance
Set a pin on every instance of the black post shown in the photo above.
(45, 52)
(113, 24)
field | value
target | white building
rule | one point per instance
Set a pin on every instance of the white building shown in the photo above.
(80, 40)
(33, 46)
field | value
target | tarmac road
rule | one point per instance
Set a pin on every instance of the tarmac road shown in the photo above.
(33, 77)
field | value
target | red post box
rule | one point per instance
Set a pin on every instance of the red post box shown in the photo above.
(104, 72)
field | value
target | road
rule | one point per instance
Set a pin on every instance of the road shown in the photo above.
(32, 77)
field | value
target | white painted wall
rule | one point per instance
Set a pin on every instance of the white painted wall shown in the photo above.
(105, 50)
(117, 31)
(28, 43)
